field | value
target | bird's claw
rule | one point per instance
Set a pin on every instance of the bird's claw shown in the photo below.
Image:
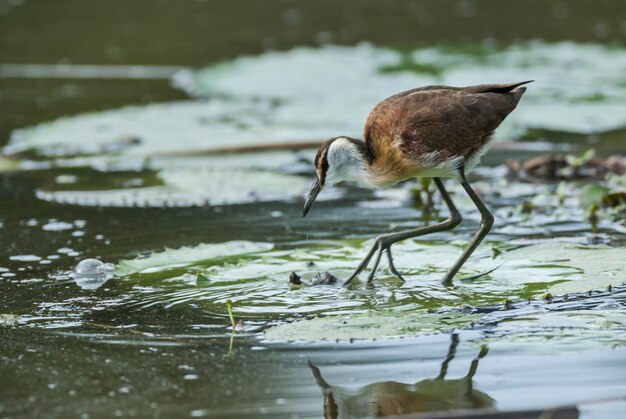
(379, 247)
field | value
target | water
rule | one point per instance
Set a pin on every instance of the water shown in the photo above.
(124, 237)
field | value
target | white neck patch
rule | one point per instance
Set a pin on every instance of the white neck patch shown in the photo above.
(345, 162)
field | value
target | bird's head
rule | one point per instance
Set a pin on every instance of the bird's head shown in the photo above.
(339, 158)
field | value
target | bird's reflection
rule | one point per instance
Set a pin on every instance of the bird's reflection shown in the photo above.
(388, 398)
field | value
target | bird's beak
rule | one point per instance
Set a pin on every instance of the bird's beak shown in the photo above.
(315, 190)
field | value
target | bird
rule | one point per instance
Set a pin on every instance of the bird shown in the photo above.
(437, 131)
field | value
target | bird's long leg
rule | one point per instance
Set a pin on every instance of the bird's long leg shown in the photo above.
(486, 222)
(449, 357)
(472, 371)
(383, 243)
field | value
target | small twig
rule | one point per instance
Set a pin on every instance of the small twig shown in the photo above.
(250, 148)
(472, 278)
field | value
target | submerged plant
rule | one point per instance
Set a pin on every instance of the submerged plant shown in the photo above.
(229, 305)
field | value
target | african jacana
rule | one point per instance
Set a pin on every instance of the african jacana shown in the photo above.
(432, 131)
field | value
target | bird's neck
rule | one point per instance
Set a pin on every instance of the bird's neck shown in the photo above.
(359, 167)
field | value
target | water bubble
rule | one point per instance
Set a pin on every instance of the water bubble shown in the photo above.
(92, 273)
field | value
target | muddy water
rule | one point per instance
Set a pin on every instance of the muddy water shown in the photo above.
(188, 231)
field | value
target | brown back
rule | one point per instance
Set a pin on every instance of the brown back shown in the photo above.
(453, 121)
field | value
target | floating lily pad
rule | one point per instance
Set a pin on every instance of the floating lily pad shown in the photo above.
(310, 76)
(163, 128)
(258, 284)
(189, 185)
(580, 268)
(301, 95)
(577, 319)
(571, 330)
(369, 326)
(305, 94)
(185, 256)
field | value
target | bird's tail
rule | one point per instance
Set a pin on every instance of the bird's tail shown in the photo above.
(498, 88)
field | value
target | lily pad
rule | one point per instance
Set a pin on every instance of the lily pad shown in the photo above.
(189, 184)
(305, 94)
(309, 76)
(571, 330)
(577, 319)
(257, 282)
(158, 129)
(580, 268)
(186, 256)
(293, 97)
(370, 325)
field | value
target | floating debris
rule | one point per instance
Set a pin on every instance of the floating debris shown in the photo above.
(295, 279)
(321, 278)
(324, 278)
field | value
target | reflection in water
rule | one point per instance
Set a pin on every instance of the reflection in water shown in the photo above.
(388, 398)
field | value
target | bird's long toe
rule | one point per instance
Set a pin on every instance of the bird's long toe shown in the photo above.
(392, 267)
(366, 260)
(370, 278)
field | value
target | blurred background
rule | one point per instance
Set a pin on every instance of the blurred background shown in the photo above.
(118, 121)
(196, 33)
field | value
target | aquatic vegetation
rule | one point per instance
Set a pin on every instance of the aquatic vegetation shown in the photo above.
(229, 307)
(245, 104)
(177, 258)
(370, 325)
(255, 277)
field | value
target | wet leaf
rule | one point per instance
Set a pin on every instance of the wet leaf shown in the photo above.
(579, 268)
(283, 96)
(190, 185)
(258, 282)
(185, 256)
(578, 319)
(306, 80)
(592, 195)
(371, 325)
(249, 104)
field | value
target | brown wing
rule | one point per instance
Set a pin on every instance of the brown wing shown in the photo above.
(454, 121)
